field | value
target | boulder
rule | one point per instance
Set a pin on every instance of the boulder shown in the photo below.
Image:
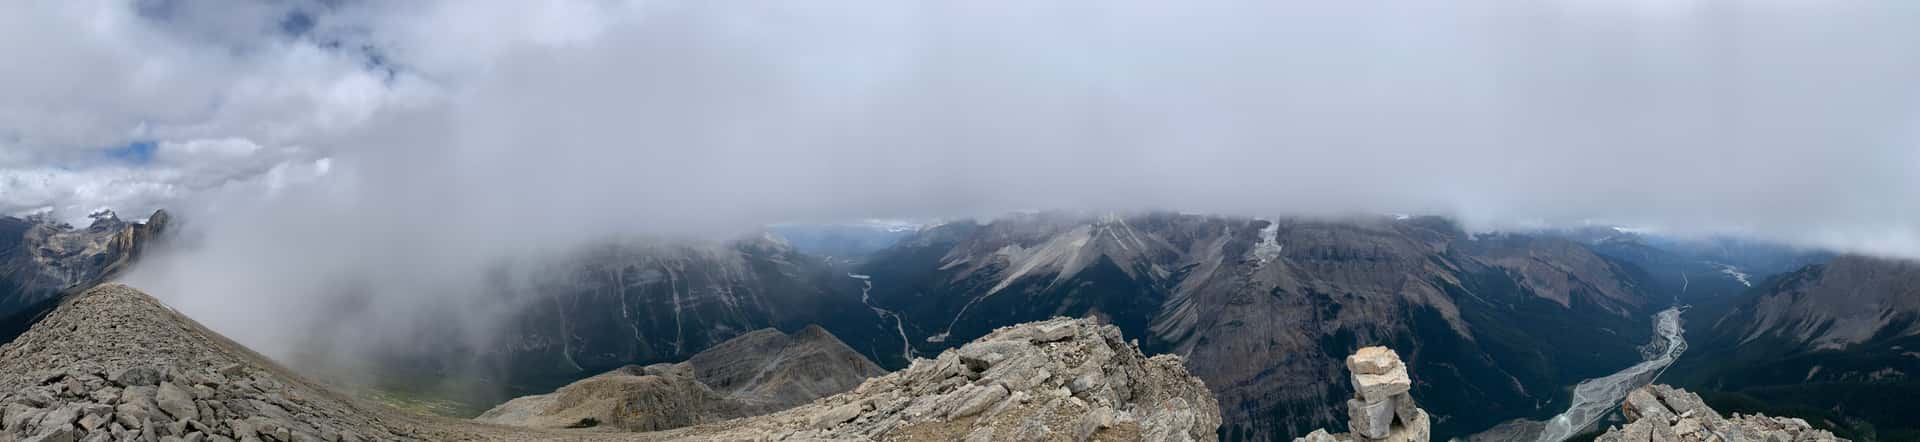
(176, 402)
(136, 376)
(1371, 419)
(1373, 360)
(1381, 387)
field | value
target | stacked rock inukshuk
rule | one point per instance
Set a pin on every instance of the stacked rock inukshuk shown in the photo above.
(1381, 409)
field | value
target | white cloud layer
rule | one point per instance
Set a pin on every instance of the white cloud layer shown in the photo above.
(427, 129)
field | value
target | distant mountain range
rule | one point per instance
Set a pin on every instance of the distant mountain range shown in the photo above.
(1499, 325)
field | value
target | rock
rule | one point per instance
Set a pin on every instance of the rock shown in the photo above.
(1373, 360)
(979, 401)
(1093, 422)
(131, 414)
(1381, 387)
(93, 422)
(1641, 404)
(63, 433)
(1371, 419)
(836, 416)
(1051, 334)
(1319, 435)
(1405, 409)
(176, 402)
(60, 417)
(136, 376)
(17, 415)
(982, 434)
(1414, 429)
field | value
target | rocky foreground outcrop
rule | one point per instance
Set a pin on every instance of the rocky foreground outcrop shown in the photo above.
(1660, 413)
(114, 364)
(752, 374)
(1055, 380)
(1381, 409)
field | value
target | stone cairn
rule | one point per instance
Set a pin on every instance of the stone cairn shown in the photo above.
(1381, 409)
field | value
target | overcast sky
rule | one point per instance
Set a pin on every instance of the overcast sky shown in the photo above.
(1793, 120)
(404, 145)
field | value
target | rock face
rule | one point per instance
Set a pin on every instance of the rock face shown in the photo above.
(1665, 414)
(40, 259)
(755, 373)
(1381, 410)
(115, 364)
(1055, 380)
(1266, 310)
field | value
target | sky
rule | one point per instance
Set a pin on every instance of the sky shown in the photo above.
(300, 140)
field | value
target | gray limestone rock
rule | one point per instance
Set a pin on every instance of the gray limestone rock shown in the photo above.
(136, 376)
(1370, 419)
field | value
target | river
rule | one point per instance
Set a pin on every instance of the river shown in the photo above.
(906, 347)
(1594, 398)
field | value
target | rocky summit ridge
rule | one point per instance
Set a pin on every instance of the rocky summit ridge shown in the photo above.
(115, 364)
(1659, 413)
(1055, 380)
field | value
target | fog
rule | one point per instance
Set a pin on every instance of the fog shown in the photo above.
(399, 151)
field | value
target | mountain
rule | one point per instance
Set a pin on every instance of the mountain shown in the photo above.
(752, 374)
(1264, 310)
(41, 259)
(1837, 343)
(113, 363)
(619, 303)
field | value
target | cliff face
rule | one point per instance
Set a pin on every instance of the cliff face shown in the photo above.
(755, 373)
(626, 302)
(41, 259)
(1264, 310)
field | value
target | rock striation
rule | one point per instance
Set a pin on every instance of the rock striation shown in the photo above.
(755, 373)
(1055, 380)
(1659, 413)
(1381, 408)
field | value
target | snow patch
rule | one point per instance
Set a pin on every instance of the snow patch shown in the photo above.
(1269, 247)
(1736, 274)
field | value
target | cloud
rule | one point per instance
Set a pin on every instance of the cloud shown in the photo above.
(450, 130)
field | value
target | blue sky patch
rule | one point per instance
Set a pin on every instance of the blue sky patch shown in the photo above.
(138, 152)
